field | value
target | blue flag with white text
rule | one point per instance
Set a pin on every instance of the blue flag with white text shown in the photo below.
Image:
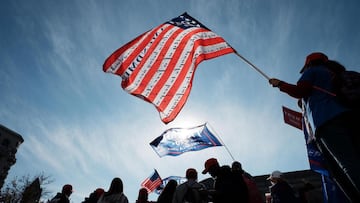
(316, 159)
(176, 141)
(165, 181)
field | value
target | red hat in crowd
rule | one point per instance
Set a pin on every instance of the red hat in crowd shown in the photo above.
(99, 191)
(316, 56)
(210, 163)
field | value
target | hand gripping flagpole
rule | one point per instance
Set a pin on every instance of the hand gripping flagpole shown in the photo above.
(222, 142)
(252, 65)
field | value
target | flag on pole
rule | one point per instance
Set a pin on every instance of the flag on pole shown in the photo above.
(165, 181)
(292, 118)
(316, 158)
(158, 66)
(176, 141)
(331, 190)
(152, 182)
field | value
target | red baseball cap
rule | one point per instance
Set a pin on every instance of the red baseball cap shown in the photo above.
(210, 163)
(315, 56)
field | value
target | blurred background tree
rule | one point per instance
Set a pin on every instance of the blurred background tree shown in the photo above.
(26, 189)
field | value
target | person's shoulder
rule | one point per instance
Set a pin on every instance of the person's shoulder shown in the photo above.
(59, 194)
(182, 185)
(284, 185)
(124, 198)
(225, 169)
(62, 196)
(198, 185)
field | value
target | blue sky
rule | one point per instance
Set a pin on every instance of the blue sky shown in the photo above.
(80, 127)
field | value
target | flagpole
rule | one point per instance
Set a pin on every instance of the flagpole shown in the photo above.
(252, 65)
(221, 141)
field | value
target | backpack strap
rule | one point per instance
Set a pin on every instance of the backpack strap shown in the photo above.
(189, 188)
(186, 191)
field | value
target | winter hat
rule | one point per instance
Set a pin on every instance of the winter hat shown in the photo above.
(274, 174)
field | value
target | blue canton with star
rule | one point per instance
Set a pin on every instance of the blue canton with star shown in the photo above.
(185, 21)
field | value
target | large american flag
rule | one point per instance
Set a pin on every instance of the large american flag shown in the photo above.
(152, 182)
(158, 66)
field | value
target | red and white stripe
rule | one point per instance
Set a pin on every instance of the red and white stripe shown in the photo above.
(150, 185)
(159, 65)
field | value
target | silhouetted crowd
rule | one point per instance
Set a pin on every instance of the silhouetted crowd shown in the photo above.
(227, 184)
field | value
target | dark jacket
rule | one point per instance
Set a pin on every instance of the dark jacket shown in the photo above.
(230, 187)
(282, 192)
(60, 198)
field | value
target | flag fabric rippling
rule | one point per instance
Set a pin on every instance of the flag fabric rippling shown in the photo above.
(316, 158)
(176, 141)
(152, 182)
(158, 66)
(165, 181)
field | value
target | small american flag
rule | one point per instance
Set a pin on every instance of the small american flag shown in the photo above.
(158, 66)
(152, 182)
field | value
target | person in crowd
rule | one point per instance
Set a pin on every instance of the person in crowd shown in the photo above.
(64, 196)
(115, 193)
(227, 187)
(94, 196)
(308, 193)
(336, 126)
(253, 191)
(237, 168)
(280, 190)
(191, 190)
(143, 196)
(167, 194)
